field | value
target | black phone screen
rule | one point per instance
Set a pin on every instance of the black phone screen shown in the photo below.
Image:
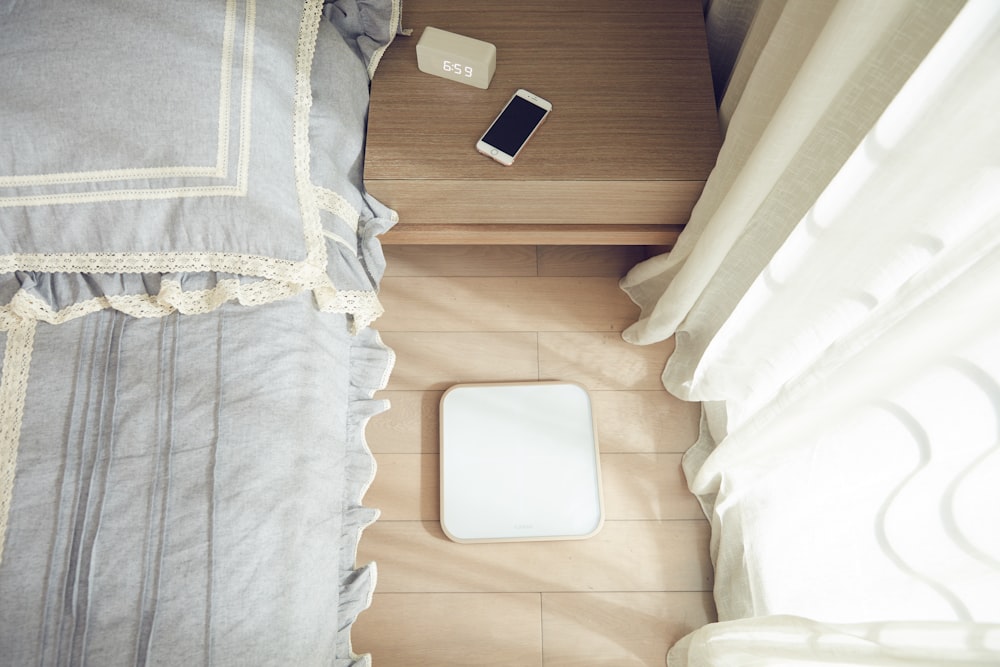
(514, 125)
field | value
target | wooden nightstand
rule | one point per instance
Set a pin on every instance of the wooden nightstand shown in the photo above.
(621, 159)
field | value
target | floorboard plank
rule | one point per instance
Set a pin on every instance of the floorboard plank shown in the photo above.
(410, 426)
(627, 421)
(646, 486)
(636, 487)
(416, 556)
(621, 629)
(600, 360)
(406, 630)
(505, 304)
(406, 487)
(437, 360)
(644, 421)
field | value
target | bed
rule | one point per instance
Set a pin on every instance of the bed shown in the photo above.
(189, 270)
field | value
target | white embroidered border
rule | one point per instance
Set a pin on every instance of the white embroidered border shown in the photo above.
(363, 306)
(332, 202)
(171, 298)
(394, 27)
(226, 84)
(308, 206)
(164, 262)
(13, 388)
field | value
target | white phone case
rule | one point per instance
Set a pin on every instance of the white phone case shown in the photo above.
(514, 126)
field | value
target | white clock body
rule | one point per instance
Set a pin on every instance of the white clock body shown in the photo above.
(456, 57)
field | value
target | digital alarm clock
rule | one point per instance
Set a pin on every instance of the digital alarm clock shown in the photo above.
(456, 57)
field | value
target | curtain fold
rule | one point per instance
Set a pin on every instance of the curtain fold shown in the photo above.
(834, 300)
(786, 640)
(821, 78)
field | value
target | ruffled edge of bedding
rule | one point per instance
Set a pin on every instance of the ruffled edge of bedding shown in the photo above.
(368, 353)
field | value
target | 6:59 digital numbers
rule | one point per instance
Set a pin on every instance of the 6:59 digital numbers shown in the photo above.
(456, 68)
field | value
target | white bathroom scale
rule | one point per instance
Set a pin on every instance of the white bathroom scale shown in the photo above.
(519, 461)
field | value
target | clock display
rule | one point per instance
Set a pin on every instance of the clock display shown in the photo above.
(456, 68)
(456, 57)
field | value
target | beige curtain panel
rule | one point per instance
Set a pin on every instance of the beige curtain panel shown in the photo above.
(834, 300)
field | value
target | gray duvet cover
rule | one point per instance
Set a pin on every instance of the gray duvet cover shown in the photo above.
(189, 267)
(188, 490)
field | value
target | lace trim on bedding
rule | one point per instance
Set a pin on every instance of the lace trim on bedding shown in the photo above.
(395, 21)
(13, 388)
(164, 262)
(332, 202)
(363, 306)
(171, 298)
(312, 13)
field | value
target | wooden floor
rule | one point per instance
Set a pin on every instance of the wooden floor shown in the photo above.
(496, 313)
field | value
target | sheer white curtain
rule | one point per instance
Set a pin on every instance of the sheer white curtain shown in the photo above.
(835, 300)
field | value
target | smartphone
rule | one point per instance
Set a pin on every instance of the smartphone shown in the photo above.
(511, 130)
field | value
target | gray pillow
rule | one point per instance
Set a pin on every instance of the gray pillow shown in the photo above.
(172, 156)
